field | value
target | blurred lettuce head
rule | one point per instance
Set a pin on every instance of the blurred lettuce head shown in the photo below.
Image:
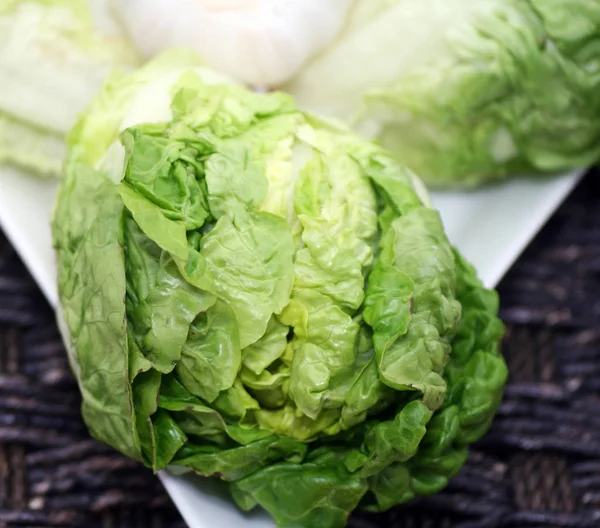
(466, 91)
(54, 56)
(253, 293)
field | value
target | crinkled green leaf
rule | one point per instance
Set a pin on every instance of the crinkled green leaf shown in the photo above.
(237, 463)
(289, 421)
(235, 402)
(259, 355)
(197, 418)
(395, 440)
(92, 283)
(255, 252)
(211, 355)
(164, 316)
(145, 398)
(324, 349)
(318, 493)
(391, 486)
(413, 326)
(168, 173)
(168, 438)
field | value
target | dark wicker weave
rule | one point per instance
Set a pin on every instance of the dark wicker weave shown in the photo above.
(538, 467)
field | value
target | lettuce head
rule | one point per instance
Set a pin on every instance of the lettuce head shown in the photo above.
(258, 295)
(54, 56)
(466, 91)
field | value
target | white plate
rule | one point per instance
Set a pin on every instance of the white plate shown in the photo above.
(490, 226)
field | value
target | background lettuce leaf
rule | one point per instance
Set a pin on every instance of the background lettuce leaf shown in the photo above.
(54, 56)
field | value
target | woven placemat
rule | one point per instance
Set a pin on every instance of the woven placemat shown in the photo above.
(538, 467)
